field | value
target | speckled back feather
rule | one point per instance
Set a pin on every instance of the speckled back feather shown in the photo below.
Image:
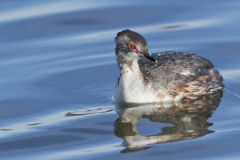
(185, 74)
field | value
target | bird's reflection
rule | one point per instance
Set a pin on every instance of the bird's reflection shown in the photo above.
(189, 120)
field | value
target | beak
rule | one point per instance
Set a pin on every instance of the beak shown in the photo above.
(146, 55)
(149, 57)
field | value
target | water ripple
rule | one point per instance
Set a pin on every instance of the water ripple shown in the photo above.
(31, 124)
(33, 11)
(99, 36)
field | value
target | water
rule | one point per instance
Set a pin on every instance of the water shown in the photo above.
(58, 73)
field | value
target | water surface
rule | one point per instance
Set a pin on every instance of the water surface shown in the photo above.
(58, 73)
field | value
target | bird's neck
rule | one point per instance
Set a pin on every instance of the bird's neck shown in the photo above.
(128, 65)
(131, 70)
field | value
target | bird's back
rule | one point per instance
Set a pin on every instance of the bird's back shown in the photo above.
(181, 73)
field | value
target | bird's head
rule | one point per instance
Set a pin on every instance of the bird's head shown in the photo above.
(131, 46)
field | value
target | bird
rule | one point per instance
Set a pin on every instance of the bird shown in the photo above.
(162, 77)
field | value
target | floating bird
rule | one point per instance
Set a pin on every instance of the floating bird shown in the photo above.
(168, 76)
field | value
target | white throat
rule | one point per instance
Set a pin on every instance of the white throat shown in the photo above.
(131, 87)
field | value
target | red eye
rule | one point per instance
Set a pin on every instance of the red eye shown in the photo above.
(133, 46)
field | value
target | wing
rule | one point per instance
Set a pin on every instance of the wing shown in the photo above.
(181, 73)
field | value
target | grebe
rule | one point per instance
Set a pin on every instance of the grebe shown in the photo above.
(162, 77)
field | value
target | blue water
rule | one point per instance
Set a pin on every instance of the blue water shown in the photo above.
(58, 73)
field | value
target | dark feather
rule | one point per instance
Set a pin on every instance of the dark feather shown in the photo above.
(181, 72)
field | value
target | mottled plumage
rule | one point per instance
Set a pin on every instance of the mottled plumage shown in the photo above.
(181, 73)
(165, 76)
